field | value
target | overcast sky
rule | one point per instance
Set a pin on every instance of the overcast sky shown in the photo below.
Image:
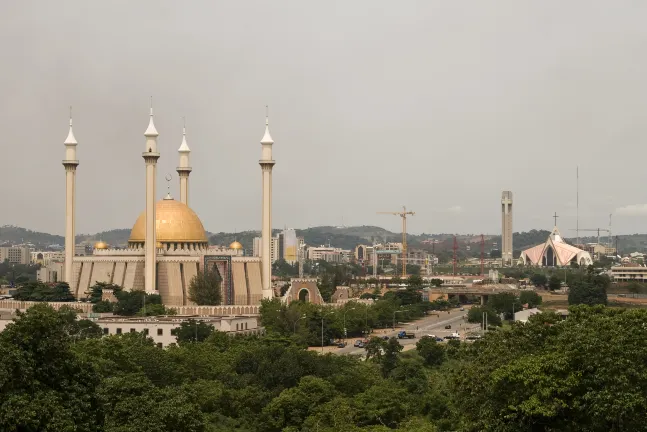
(436, 105)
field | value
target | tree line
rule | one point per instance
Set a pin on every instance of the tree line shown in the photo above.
(584, 373)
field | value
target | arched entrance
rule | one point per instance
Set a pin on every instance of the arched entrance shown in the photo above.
(304, 295)
(549, 257)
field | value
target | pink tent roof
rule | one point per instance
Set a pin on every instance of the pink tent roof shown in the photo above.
(535, 253)
(565, 252)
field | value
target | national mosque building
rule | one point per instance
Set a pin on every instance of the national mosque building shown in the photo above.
(168, 244)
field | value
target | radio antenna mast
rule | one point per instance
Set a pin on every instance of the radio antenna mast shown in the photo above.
(577, 205)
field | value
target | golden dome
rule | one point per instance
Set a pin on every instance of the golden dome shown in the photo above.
(175, 223)
(101, 245)
(159, 245)
(235, 245)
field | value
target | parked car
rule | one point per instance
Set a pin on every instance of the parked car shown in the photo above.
(386, 338)
(341, 344)
(462, 309)
(439, 339)
(358, 344)
(448, 326)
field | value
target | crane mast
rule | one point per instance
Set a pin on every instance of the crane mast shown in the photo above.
(403, 214)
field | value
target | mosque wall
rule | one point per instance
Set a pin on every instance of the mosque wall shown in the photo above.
(189, 271)
(170, 283)
(84, 280)
(118, 275)
(240, 284)
(138, 279)
(102, 272)
(76, 276)
(254, 281)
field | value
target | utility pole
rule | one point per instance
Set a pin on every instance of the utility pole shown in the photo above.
(455, 249)
(482, 252)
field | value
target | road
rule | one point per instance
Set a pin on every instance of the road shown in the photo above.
(428, 325)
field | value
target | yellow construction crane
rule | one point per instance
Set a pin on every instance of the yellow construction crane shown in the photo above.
(403, 214)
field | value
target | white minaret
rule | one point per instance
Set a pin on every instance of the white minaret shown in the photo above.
(266, 163)
(70, 163)
(184, 169)
(150, 156)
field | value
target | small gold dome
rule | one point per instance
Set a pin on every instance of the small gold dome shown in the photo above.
(235, 245)
(175, 222)
(159, 245)
(101, 245)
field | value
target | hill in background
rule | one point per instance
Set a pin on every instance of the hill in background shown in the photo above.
(342, 237)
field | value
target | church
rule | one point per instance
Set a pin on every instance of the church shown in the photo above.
(168, 244)
(555, 252)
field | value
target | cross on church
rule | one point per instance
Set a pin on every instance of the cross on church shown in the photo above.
(555, 217)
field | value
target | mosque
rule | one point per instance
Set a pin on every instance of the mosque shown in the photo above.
(168, 245)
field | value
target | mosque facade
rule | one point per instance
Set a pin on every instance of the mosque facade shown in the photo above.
(168, 245)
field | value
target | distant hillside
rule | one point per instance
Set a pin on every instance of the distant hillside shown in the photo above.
(17, 235)
(342, 237)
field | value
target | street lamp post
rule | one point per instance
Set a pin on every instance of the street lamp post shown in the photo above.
(345, 312)
(322, 334)
(295, 323)
(395, 312)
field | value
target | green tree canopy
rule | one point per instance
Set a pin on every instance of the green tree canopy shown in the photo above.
(539, 280)
(193, 331)
(431, 351)
(590, 290)
(532, 298)
(43, 384)
(205, 288)
(585, 373)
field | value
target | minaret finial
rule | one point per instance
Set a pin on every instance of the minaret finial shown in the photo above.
(168, 178)
(151, 131)
(70, 115)
(267, 115)
(184, 126)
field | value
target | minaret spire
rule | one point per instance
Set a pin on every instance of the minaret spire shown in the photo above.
(150, 156)
(70, 163)
(184, 168)
(266, 163)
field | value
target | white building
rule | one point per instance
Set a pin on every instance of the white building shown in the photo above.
(274, 248)
(629, 273)
(46, 257)
(160, 329)
(15, 254)
(522, 316)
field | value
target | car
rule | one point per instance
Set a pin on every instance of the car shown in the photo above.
(341, 345)
(439, 339)
(448, 326)
(386, 338)
(462, 309)
(358, 343)
(433, 336)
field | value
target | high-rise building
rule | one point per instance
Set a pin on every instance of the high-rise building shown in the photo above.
(15, 254)
(274, 248)
(506, 227)
(290, 245)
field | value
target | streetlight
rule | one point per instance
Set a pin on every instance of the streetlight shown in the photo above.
(395, 312)
(295, 323)
(345, 312)
(323, 315)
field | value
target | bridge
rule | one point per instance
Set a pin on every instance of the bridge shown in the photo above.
(463, 292)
